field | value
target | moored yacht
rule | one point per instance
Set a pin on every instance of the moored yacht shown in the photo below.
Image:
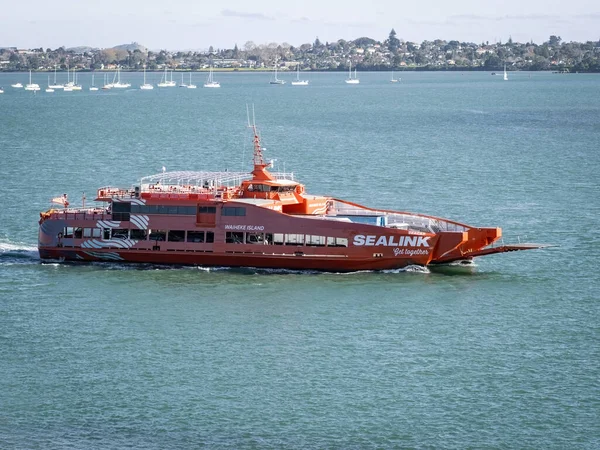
(93, 87)
(146, 86)
(257, 219)
(165, 82)
(276, 80)
(191, 86)
(298, 81)
(116, 84)
(32, 86)
(54, 84)
(17, 85)
(49, 89)
(210, 81)
(351, 80)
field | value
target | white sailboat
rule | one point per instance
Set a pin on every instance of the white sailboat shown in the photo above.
(505, 74)
(276, 80)
(49, 89)
(191, 86)
(392, 79)
(106, 85)
(146, 86)
(351, 80)
(164, 81)
(118, 84)
(93, 86)
(298, 81)
(182, 84)
(55, 85)
(69, 86)
(32, 86)
(210, 82)
(76, 86)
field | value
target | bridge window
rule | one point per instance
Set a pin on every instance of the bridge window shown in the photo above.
(96, 232)
(207, 209)
(78, 233)
(210, 237)
(87, 232)
(68, 232)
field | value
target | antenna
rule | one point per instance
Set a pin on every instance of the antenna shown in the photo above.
(258, 157)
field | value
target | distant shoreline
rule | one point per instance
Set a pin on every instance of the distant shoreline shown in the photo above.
(268, 70)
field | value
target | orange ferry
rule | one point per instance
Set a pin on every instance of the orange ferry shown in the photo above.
(259, 219)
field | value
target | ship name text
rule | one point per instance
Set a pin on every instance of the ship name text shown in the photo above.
(245, 227)
(391, 241)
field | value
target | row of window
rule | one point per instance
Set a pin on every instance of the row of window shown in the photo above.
(231, 237)
(240, 237)
(163, 209)
(122, 210)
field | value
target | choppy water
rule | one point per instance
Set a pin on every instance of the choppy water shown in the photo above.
(109, 356)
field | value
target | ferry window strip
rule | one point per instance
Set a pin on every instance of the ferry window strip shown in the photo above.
(207, 209)
(158, 235)
(176, 236)
(195, 236)
(138, 235)
(201, 237)
(120, 233)
(164, 209)
(233, 211)
(234, 237)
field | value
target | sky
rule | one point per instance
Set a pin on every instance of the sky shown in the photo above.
(196, 25)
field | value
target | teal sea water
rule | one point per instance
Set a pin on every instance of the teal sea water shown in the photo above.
(107, 356)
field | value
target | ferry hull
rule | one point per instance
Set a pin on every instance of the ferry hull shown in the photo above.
(291, 261)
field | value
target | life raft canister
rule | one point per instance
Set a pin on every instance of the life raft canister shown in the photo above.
(299, 189)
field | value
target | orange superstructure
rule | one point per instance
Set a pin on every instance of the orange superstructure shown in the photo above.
(257, 219)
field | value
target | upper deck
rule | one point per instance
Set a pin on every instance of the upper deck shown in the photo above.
(186, 185)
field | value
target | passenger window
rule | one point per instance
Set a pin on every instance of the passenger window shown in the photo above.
(138, 235)
(176, 235)
(195, 236)
(158, 235)
(234, 237)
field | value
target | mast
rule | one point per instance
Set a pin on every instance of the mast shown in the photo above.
(259, 172)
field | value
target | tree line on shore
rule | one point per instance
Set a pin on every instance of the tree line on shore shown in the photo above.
(363, 53)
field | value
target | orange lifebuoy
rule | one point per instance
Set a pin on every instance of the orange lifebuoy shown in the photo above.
(299, 189)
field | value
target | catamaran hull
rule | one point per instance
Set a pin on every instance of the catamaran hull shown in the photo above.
(289, 261)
